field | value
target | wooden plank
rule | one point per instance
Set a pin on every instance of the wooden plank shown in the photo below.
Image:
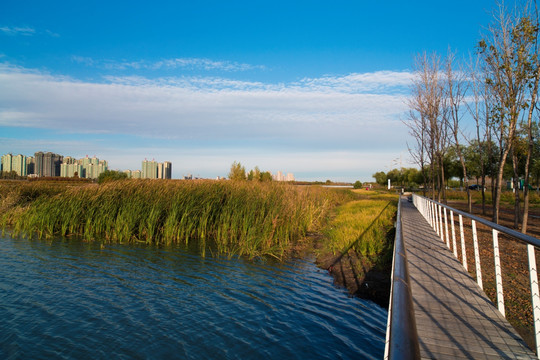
(454, 318)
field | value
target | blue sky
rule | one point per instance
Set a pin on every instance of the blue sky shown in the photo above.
(315, 88)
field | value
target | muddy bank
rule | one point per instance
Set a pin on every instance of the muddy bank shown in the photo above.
(366, 278)
(359, 276)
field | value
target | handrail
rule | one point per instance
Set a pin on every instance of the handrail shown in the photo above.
(516, 234)
(401, 334)
(433, 213)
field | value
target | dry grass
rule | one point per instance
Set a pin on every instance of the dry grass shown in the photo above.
(243, 218)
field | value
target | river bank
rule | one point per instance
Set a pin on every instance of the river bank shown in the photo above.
(350, 232)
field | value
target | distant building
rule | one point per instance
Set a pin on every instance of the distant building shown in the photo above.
(47, 164)
(133, 174)
(280, 177)
(7, 163)
(30, 165)
(19, 165)
(71, 170)
(167, 170)
(155, 170)
(15, 163)
(89, 168)
(149, 169)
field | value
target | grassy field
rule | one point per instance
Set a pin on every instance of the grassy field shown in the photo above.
(363, 224)
(358, 244)
(507, 197)
(243, 218)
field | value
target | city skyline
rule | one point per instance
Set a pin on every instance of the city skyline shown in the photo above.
(309, 86)
(47, 164)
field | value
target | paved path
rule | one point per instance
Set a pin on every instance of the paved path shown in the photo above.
(454, 318)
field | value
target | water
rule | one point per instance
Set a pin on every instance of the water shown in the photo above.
(70, 299)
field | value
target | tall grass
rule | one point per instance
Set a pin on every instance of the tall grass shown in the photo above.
(363, 225)
(243, 218)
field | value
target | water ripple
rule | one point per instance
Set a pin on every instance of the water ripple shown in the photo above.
(66, 300)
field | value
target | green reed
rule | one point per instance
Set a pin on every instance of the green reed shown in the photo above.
(243, 218)
(363, 225)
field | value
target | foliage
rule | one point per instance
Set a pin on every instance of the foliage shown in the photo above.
(12, 175)
(111, 175)
(357, 185)
(237, 172)
(380, 178)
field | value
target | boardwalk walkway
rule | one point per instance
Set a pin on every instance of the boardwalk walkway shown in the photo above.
(454, 318)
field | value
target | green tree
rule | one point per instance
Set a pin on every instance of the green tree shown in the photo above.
(254, 174)
(508, 53)
(380, 178)
(357, 185)
(237, 172)
(266, 176)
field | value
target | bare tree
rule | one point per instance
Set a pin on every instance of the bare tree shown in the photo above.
(478, 107)
(416, 122)
(529, 126)
(505, 52)
(426, 113)
(455, 90)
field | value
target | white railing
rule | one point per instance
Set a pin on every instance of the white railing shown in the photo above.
(436, 215)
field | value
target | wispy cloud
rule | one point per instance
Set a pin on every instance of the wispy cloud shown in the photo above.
(335, 116)
(52, 34)
(12, 31)
(182, 63)
(25, 31)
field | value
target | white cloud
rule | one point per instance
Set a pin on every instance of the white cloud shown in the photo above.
(335, 124)
(12, 31)
(175, 63)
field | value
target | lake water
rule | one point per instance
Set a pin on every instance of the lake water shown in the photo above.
(70, 299)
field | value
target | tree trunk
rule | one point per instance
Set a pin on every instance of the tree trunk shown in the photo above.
(517, 211)
(498, 185)
(529, 151)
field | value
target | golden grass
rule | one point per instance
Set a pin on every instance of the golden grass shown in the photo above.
(363, 224)
(243, 218)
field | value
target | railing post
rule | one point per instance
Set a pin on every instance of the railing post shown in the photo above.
(434, 225)
(435, 218)
(498, 272)
(433, 213)
(453, 233)
(533, 274)
(477, 256)
(441, 224)
(463, 249)
(446, 228)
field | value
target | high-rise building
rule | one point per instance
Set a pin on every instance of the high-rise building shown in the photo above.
(167, 170)
(91, 168)
(19, 165)
(48, 164)
(149, 169)
(71, 169)
(30, 165)
(7, 163)
(280, 177)
(155, 170)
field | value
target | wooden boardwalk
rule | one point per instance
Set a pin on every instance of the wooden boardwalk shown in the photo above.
(454, 318)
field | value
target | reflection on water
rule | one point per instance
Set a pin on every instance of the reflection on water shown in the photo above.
(69, 299)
